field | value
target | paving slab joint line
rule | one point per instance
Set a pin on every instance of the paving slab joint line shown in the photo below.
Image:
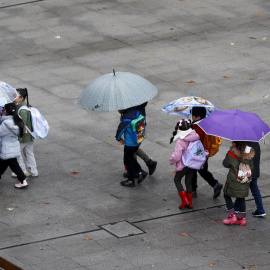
(134, 222)
(25, 3)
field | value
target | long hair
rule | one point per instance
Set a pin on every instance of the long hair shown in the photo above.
(241, 145)
(11, 110)
(24, 93)
(183, 124)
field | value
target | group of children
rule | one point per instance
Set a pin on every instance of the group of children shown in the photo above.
(16, 144)
(186, 131)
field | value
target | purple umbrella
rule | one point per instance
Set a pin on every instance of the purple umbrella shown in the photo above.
(235, 125)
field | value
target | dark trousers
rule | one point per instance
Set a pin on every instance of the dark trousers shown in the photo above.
(13, 164)
(206, 175)
(130, 161)
(255, 193)
(188, 173)
(229, 203)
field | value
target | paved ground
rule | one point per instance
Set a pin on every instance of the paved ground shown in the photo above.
(62, 221)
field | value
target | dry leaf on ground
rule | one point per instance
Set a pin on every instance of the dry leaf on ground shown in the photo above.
(250, 93)
(74, 173)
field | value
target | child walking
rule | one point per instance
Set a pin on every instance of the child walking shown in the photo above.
(26, 141)
(238, 155)
(11, 127)
(182, 136)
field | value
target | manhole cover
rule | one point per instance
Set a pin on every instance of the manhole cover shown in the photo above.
(122, 229)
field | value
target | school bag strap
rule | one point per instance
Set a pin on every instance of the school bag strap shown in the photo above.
(134, 117)
(232, 155)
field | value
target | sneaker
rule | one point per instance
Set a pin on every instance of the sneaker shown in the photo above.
(21, 185)
(26, 173)
(136, 175)
(259, 213)
(127, 183)
(151, 164)
(142, 176)
(217, 190)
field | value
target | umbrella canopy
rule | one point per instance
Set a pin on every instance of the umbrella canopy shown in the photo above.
(235, 125)
(117, 91)
(183, 106)
(7, 93)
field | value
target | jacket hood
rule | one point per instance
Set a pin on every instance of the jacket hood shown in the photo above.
(187, 135)
(237, 152)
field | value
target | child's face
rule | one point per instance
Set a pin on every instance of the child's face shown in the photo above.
(195, 118)
(18, 100)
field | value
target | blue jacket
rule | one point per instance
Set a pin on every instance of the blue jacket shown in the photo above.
(125, 127)
(9, 143)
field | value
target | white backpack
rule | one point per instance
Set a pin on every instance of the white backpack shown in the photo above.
(40, 125)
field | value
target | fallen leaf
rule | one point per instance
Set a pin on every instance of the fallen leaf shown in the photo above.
(191, 82)
(98, 9)
(173, 172)
(252, 37)
(258, 15)
(86, 239)
(265, 38)
(74, 173)
(250, 93)
(164, 200)
(183, 0)
(57, 37)
(266, 96)
(252, 266)
(153, 103)
(108, 141)
(182, 234)
(232, 43)
(44, 231)
(251, 79)
(47, 203)
(148, 58)
(226, 76)
(1, 191)
(216, 220)
(10, 208)
(211, 265)
(104, 8)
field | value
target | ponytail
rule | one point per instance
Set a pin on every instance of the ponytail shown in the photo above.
(183, 124)
(11, 110)
(24, 93)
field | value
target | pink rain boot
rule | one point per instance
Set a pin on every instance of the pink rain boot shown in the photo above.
(21, 185)
(231, 218)
(241, 219)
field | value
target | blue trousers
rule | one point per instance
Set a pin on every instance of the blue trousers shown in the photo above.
(255, 193)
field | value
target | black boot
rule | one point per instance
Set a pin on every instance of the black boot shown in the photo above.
(151, 164)
(128, 183)
(142, 176)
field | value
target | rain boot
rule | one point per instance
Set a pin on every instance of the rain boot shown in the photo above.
(231, 218)
(241, 219)
(184, 199)
(189, 196)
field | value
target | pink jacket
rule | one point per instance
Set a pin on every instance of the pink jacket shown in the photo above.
(182, 140)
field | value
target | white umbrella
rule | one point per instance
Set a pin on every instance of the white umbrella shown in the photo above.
(117, 91)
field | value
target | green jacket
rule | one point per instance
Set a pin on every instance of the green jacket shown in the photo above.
(26, 117)
(232, 187)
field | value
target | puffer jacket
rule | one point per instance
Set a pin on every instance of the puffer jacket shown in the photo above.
(232, 187)
(9, 143)
(182, 140)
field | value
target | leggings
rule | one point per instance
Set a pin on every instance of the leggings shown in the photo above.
(229, 203)
(188, 173)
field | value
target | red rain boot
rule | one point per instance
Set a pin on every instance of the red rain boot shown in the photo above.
(231, 218)
(184, 199)
(189, 196)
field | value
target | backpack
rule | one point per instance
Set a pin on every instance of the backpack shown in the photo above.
(211, 143)
(194, 156)
(39, 124)
(138, 127)
(244, 171)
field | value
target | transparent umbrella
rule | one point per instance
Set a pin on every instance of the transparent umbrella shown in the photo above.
(7, 93)
(117, 91)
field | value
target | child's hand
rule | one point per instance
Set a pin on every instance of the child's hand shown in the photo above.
(122, 142)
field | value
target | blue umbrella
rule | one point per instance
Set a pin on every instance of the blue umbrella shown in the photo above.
(116, 91)
(183, 106)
